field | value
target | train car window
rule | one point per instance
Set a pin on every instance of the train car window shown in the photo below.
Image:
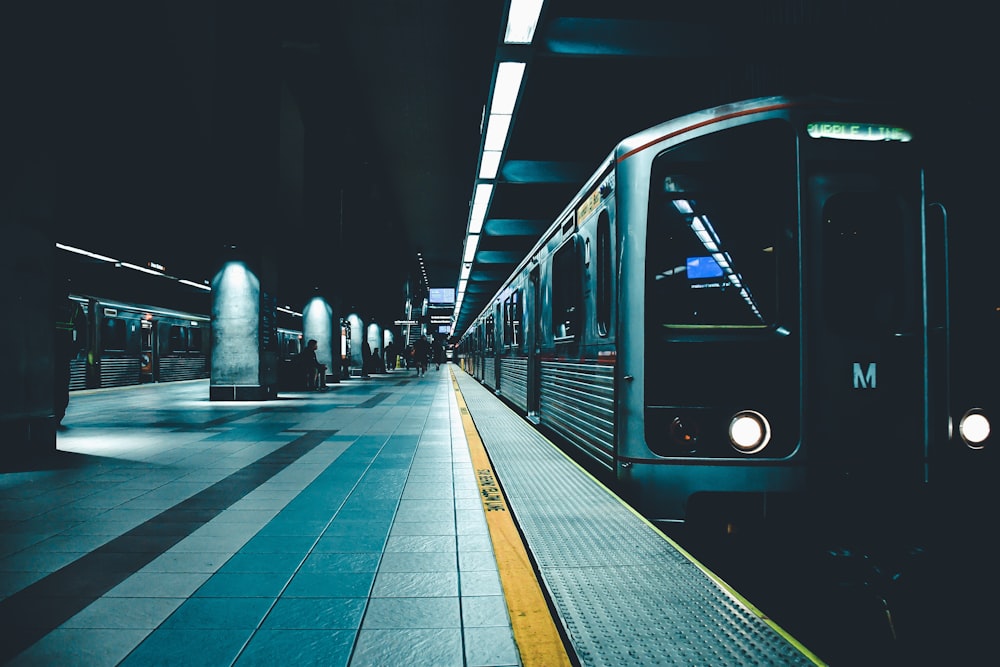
(196, 340)
(113, 335)
(721, 206)
(178, 339)
(490, 333)
(604, 274)
(516, 315)
(508, 322)
(566, 293)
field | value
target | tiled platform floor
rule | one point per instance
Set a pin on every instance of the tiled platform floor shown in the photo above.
(336, 528)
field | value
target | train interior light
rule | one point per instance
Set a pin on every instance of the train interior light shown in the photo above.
(749, 431)
(974, 428)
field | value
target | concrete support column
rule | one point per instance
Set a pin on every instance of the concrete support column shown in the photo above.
(356, 326)
(27, 344)
(317, 324)
(244, 334)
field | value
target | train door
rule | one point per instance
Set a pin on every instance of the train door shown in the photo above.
(533, 340)
(498, 345)
(146, 347)
(872, 359)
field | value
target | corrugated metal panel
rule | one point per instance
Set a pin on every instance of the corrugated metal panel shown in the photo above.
(77, 374)
(183, 368)
(577, 400)
(514, 381)
(119, 372)
(490, 373)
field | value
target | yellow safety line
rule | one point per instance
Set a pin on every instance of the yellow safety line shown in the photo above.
(535, 633)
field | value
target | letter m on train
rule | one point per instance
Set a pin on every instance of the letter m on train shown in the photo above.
(864, 378)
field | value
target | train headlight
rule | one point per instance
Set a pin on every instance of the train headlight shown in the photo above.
(974, 428)
(749, 431)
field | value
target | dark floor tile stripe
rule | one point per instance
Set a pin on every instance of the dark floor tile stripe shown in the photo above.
(374, 400)
(33, 612)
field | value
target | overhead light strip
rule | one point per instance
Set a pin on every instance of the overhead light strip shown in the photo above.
(522, 19)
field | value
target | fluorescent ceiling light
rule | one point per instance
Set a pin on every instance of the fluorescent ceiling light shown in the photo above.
(476, 220)
(471, 242)
(194, 284)
(483, 192)
(496, 132)
(522, 20)
(466, 270)
(489, 164)
(87, 253)
(507, 86)
(136, 267)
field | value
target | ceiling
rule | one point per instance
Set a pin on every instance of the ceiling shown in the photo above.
(337, 140)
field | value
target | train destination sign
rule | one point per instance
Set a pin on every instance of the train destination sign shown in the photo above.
(858, 132)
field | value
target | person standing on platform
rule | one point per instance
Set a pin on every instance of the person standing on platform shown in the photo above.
(366, 359)
(421, 353)
(438, 354)
(390, 357)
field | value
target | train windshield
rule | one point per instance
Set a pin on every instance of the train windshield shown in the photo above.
(722, 207)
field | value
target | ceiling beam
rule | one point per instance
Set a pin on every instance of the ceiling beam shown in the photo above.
(515, 227)
(542, 171)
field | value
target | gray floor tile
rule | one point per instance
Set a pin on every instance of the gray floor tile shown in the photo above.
(414, 648)
(416, 584)
(316, 613)
(408, 613)
(490, 647)
(330, 648)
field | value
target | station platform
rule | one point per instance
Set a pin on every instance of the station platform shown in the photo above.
(395, 520)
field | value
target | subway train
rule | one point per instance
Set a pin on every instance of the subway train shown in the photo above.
(744, 308)
(114, 343)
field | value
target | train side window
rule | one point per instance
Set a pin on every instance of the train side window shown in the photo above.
(113, 335)
(490, 336)
(566, 293)
(178, 339)
(604, 274)
(195, 345)
(517, 313)
(508, 329)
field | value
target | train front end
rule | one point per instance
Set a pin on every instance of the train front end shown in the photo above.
(786, 314)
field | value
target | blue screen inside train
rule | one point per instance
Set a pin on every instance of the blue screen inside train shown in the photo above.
(703, 267)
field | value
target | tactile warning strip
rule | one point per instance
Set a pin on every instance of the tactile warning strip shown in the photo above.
(624, 594)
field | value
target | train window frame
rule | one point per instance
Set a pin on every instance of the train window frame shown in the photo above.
(566, 293)
(177, 339)
(119, 333)
(489, 333)
(507, 323)
(602, 311)
(708, 270)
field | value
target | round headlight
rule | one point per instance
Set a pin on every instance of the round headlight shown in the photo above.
(974, 428)
(749, 431)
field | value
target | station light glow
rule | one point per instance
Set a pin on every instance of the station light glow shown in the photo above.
(508, 85)
(194, 284)
(136, 267)
(496, 132)
(471, 243)
(86, 253)
(522, 19)
(489, 164)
